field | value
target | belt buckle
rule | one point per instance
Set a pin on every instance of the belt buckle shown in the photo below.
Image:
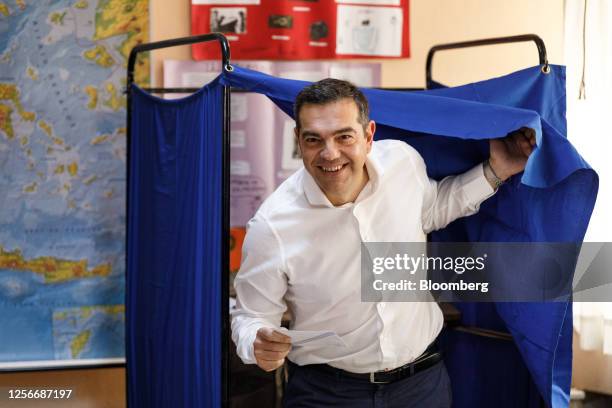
(373, 379)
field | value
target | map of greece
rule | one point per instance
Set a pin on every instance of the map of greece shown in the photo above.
(62, 175)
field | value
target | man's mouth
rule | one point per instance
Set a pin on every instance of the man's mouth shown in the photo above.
(332, 169)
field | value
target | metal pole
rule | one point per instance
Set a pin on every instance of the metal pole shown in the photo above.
(543, 59)
(225, 198)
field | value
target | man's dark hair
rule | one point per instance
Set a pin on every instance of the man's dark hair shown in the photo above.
(330, 90)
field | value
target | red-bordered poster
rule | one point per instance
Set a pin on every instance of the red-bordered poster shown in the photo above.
(303, 29)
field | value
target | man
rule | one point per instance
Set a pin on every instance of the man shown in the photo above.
(302, 251)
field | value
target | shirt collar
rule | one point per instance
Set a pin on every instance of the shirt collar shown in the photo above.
(317, 197)
(374, 166)
(314, 194)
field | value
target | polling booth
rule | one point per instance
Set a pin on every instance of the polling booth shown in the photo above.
(503, 354)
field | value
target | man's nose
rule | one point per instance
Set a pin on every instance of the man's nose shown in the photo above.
(330, 152)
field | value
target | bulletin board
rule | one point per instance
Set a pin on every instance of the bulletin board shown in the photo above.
(303, 29)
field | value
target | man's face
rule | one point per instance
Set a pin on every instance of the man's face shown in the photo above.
(334, 147)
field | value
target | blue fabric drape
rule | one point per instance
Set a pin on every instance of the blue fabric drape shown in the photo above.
(558, 212)
(174, 245)
(551, 201)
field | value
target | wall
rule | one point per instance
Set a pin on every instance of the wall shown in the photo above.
(442, 21)
(591, 370)
(91, 388)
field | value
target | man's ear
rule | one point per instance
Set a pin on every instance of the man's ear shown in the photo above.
(296, 133)
(369, 134)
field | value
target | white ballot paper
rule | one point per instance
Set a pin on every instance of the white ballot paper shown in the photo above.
(318, 338)
(375, 31)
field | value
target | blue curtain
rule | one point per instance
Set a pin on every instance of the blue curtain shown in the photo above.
(551, 201)
(173, 299)
(553, 208)
(173, 293)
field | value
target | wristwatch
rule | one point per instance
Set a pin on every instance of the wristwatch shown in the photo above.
(491, 176)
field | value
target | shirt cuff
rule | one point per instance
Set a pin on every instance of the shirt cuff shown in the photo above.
(476, 187)
(246, 351)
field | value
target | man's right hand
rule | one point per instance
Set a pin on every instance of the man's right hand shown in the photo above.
(271, 348)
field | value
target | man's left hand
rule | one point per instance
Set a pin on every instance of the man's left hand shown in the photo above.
(508, 155)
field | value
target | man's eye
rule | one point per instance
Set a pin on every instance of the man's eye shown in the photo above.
(311, 140)
(346, 137)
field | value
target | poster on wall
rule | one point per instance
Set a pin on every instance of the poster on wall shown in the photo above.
(303, 29)
(251, 135)
(62, 179)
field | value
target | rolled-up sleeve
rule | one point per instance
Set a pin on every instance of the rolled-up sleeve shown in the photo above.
(260, 287)
(453, 197)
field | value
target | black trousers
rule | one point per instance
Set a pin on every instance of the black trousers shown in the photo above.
(311, 388)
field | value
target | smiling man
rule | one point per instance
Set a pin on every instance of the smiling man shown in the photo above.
(302, 252)
(334, 139)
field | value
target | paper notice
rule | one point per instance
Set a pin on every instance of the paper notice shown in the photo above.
(301, 338)
(311, 76)
(291, 158)
(375, 31)
(372, 2)
(231, 20)
(240, 168)
(247, 192)
(223, 2)
(238, 138)
(198, 79)
(239, 108)
(360, 76)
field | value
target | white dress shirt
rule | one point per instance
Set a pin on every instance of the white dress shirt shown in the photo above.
(303, 253)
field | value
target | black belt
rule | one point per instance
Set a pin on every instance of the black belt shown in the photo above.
(429, 358)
